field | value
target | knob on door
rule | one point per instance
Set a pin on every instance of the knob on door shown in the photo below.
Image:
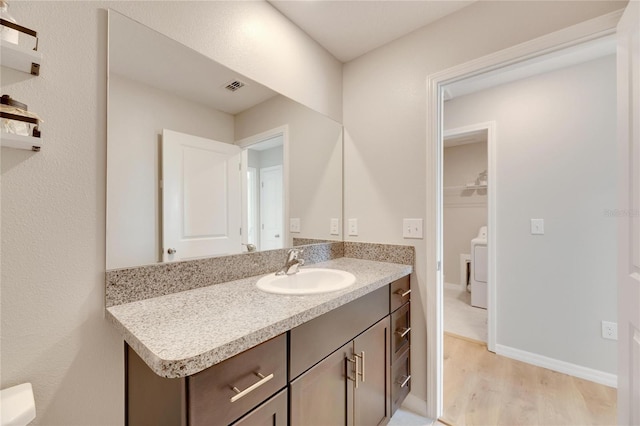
(171, 251)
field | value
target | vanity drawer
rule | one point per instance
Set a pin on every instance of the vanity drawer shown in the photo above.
(400, 380)
(400, 330)
(258, 373)
(400, 293)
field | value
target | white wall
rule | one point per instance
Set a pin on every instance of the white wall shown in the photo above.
(556, 160)
(137, 115)
(53, 203)
(385, 121)
(464, 211)
(315, 161)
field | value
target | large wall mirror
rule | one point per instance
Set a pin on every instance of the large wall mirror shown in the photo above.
(202, 161)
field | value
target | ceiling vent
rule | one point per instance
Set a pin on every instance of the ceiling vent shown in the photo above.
(234, 85)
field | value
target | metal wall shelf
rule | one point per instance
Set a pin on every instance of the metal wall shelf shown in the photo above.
(30, 143)
(18, 57)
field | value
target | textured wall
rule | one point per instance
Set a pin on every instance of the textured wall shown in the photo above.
(53, 203)
(385, 120)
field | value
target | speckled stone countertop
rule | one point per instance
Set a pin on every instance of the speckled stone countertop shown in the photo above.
(183, 333)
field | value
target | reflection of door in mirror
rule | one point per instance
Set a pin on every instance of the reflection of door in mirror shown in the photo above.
(264, 195)
(200, 197)
(271, 208)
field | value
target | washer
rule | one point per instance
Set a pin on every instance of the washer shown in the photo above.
(479, 266)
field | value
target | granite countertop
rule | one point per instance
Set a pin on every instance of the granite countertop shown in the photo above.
(183, 333)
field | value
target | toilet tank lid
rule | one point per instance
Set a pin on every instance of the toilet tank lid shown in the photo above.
(17, 405)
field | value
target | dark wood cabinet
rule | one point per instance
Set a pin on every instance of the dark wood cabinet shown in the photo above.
(372, 392)
(208, 397)
(400, 307)
(350, 366)
(321, 396)
(273, 412)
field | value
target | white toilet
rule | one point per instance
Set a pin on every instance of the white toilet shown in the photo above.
(479, 266)
(17, 406)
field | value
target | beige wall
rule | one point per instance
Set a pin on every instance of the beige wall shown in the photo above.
(315, 161)
(137, 115)
(385, 121)
(53, 203)
(464, 211)
(556, 160)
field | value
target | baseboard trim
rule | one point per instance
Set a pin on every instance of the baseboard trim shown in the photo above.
(575, 370)
(415, 405)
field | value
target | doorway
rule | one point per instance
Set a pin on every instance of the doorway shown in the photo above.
(466, 205)
(264, 185)
(437, 85)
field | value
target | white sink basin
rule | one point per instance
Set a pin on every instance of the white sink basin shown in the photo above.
(307, 281)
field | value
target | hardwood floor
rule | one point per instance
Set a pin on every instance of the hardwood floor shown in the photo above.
(482, 388)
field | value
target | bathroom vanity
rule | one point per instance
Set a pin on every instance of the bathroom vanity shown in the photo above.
(335, 358)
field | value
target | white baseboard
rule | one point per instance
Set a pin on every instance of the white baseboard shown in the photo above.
(415, 405)
(575, 370)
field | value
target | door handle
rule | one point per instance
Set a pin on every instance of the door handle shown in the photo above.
(277, 236)
(171, 251)
(355, 371)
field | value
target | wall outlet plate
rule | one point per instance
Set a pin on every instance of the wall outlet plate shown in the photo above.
(335, 226)
(537, 226)
(353, 227)
(412, 228)
(294, 224)
(610, 330)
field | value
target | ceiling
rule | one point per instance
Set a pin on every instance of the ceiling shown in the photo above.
(144, 55)
(350, 28)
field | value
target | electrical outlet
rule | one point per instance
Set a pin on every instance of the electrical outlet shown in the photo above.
(294, 225)
(353, 227)
(609, 330)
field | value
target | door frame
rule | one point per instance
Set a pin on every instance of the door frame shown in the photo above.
(490, 128)
(580, 33)
(255, 139)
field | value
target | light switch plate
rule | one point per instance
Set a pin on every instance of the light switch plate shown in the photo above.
(353, 227)
(335, 226)
(294, 224)
(412, 228)
(537, 226)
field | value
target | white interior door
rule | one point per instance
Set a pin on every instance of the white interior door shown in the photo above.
(271, 224)
(629, 216)
(200, 197)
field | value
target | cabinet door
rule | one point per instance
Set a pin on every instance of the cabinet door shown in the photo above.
(320, 397)
(271, 413)
(372, 398)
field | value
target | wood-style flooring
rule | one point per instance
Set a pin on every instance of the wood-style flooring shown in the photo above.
(482, 388)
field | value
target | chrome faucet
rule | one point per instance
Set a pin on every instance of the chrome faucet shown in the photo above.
(250, 247)
(292, 263)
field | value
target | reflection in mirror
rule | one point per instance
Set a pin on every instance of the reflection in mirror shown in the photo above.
(202, 161)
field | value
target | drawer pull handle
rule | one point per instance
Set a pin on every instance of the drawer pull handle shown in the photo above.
(403, 331)
(403, 293)
(402, 381)
(239, 394)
